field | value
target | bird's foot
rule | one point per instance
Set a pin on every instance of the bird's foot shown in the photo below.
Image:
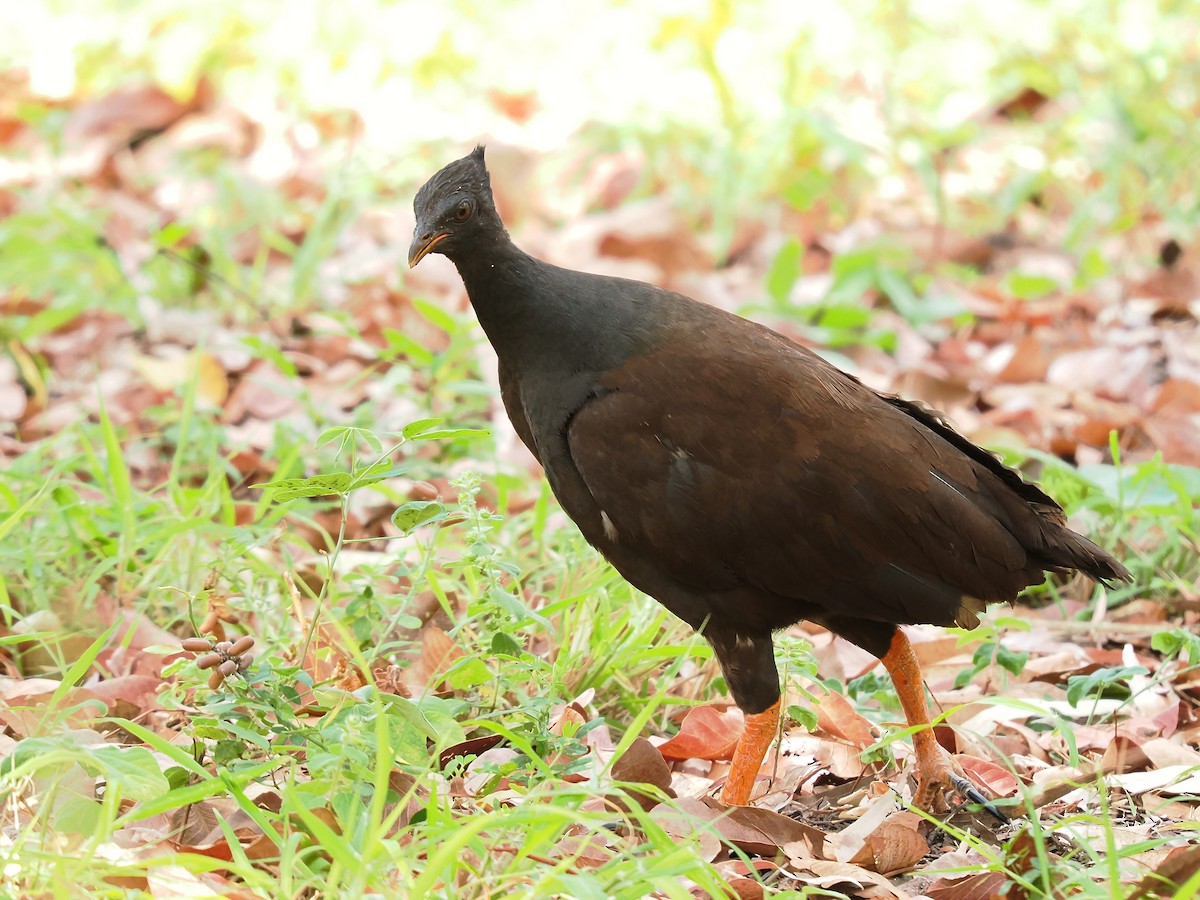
(944, 786)
(761, 729)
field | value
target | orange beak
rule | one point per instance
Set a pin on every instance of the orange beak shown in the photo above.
(423, 245)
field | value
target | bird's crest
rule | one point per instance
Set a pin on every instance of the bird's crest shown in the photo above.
(467, 174)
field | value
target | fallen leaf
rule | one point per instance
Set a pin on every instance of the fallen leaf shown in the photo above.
(835, 716)
(883, 839)
(980, 886)
(438, 652)
(176, 373)
(997, 779)
(1181, 865)
(124, 116)
(643, 763)
(705, 733)
(471, 747)
(846, 879)
(749, 828)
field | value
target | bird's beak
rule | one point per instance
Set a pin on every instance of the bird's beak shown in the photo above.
(423, 244)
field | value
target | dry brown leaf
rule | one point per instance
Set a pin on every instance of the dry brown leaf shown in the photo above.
(883, 839)
(749, 828)
(1021, 858)
(980, 886)
(172, 881)
(263, 394)
(997, 779)
(1176, 396)
(896, 846)
(176, 373)
(1026, 360)
(470, 747)
(836, 717)
(36, 714)
(643, 763)
(1168, 877)
(1176, 437)
(705, 733)
(841, 759)
(136, 631)
(587, 851)
(124, 115)
(846, 879)
(195, 824)
(684, 822)
(438, 653)
(139, 690)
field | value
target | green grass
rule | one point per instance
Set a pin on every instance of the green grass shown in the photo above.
(147, 510)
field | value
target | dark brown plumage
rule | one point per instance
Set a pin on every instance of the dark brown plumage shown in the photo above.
(739, 479)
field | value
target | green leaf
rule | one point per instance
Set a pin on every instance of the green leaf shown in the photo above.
(227, 751)
(435, 315)
(423, 430)
(368, 475)
(400, 344)
(1011, 660)
(448, 433)
(1108, 680)
(350, 436)
(313, 486)
(439, 713)
(805, 717)
(416, 513)
(412, 429)
(132, 770)
(271, 354)
(171, 234)
(512, 605)
(330, 483)
(1174, 642)
(845, 317)
(412, 730)
(336, 433)
(1025, 286)
(41, 750)
(784, 271)
(504, 644)
(468, 672)
(72, 808)
(899, 292)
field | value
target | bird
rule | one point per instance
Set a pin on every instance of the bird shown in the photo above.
(742, 481)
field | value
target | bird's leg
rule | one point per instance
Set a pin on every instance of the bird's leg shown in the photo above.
(748, 756)
(749, 666)
(933, 763)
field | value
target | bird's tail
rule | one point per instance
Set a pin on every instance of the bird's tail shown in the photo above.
(1068, 550)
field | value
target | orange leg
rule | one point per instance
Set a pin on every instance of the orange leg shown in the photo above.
(933, 763)
(761, 729)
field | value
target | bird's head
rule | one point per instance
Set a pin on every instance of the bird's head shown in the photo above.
(454, 208)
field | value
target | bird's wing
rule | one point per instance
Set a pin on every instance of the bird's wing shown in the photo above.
(764, 466)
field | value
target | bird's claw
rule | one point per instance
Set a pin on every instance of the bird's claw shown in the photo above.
(935, 789)
(971, 793)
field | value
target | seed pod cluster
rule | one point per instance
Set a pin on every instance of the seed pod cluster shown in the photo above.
(225, 658)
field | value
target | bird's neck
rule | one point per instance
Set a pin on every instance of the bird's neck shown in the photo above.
(492, 270)
(544, 319)
(507, 289)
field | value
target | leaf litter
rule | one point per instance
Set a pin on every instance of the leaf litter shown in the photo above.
(1057, 373)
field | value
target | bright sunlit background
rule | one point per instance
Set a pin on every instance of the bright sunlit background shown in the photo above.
(752, 92)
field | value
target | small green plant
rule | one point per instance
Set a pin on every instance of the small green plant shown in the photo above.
(1110, 681)
(988, 653)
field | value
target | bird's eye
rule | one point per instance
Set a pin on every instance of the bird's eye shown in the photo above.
(463, 212)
